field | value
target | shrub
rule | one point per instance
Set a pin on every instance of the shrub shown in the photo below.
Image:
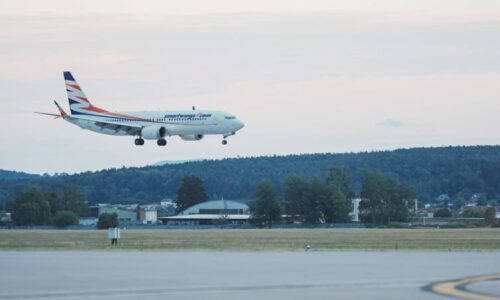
(107, 220)
(490, 216)
(452, 226)
(442, 213)
(398, 225)
(65, 218)
(472, 213)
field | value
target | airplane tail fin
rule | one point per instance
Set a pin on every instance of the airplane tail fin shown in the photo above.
(76, 97)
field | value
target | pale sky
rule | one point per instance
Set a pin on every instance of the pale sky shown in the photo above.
(305, 76)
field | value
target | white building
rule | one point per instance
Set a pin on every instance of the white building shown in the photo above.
(355, 209)
(87, 221)
(148, 215)
(168, 203)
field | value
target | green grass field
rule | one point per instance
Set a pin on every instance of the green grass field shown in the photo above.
(258, 239)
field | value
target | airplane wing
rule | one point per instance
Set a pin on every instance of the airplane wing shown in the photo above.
(117, 127)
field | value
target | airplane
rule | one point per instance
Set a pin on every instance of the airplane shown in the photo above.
(189, 125)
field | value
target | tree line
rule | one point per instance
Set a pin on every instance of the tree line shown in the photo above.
(384, 200)
(313, 201)
(458, 172)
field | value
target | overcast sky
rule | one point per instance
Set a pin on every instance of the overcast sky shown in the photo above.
(305, 76)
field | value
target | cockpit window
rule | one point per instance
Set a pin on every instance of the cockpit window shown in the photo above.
(229, 118)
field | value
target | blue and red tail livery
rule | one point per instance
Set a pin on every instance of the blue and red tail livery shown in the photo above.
(78, 102)
(68, 76)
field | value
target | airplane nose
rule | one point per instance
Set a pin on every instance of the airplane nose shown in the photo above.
(239, 124)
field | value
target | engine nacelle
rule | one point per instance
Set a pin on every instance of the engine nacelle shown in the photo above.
(153, 132)
(192, 137)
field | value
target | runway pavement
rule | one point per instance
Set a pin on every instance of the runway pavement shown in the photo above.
(242, 275)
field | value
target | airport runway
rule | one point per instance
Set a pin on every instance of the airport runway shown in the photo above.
(242, 275)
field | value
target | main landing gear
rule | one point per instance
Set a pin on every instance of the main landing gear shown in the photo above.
(224, 142)
(139, 141)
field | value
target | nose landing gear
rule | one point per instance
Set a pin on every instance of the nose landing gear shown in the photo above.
(224, 141)
(161, 142)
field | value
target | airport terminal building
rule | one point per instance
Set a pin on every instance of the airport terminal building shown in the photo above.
(210, 213)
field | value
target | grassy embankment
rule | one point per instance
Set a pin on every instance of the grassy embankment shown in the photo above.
(264, 239)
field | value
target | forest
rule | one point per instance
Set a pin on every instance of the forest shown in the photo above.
(456, 171)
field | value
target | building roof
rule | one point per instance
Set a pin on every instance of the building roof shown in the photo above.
(206, 217)
(215, 205)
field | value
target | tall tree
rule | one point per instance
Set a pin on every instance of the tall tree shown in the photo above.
(336, 206)
(313, 198)
(295, 189)
(31, 208)
(385, 199)
(337, 202)
(191, 192)
(265, 208)
(402, 202)
(74, 200)
(340, 179)
(373, 206)
(54, 202)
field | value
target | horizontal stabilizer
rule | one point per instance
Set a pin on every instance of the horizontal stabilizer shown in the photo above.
(48, 114)
(61, 114)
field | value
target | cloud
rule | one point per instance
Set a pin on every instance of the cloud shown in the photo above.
(390, 123)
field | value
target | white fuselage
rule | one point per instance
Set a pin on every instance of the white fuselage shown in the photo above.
(182, 123)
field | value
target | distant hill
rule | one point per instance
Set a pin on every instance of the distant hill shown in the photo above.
(172, 162)
(13, 175)
(433, 171)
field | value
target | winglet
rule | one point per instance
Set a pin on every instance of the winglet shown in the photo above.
(63, 113)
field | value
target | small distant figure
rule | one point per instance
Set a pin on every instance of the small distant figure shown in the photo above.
(114, 235)
(307, 247)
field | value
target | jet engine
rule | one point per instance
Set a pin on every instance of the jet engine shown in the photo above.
(153, 132)
(192, 137)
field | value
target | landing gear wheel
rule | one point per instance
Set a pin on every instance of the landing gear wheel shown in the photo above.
(139, 142)
(161, 142)
(224, 142)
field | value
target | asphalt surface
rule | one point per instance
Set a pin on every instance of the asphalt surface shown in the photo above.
(238, 275)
